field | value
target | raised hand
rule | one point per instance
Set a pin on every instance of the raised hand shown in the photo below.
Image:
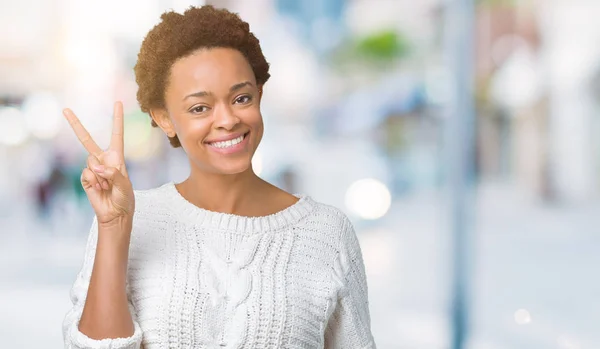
(105, 178)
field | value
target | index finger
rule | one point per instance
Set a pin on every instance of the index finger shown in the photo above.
(116, 140)
(82, 134)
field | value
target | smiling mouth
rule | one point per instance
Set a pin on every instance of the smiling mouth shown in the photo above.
(229, 143)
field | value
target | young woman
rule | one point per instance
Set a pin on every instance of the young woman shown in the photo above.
(223, 259)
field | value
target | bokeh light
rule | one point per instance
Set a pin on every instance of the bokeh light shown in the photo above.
(522, 317)
(13, 130)
(368, 198)
(42, 114)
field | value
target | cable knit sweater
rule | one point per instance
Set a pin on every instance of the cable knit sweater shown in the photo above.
(203, 279)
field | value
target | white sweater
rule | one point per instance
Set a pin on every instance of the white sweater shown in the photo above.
(203, 279)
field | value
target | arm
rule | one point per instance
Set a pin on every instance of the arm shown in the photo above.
(101, 316)
(350, 324)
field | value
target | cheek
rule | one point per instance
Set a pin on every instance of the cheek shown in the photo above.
(191, 130)
(254, 119)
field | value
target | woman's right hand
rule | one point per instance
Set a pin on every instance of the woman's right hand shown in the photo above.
(105, 178)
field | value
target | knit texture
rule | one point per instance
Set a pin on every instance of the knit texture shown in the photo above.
(203, 279)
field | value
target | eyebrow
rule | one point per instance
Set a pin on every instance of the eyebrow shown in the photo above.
(239, 86)
(233, 88)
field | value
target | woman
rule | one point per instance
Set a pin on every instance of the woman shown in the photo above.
(223, 259)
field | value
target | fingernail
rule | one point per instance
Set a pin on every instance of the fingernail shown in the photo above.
(98, 168)
(105, 185)
(98, 186)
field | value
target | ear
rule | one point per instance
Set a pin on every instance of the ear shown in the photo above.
(162, 119)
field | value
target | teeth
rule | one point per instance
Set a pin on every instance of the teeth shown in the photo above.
(229, 143)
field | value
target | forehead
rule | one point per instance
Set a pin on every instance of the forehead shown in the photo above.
(215, 70)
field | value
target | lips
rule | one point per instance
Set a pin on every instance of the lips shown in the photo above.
(227, 138)
(228, 148)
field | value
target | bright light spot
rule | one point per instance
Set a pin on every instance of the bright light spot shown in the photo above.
(517, 83)
(12, 128)
(368, 198)
(565, 342)
(91, 56)
(257, 163)
(42, 114)
(522, 317)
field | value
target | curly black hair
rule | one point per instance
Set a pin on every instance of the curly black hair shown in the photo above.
(179, 35)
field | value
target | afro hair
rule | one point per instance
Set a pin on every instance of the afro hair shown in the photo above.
(179, 35)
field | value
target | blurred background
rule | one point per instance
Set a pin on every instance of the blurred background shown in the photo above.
(364, 112)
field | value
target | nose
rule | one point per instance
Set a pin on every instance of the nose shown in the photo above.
(225, 118)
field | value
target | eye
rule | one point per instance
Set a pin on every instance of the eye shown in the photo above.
(243, 99)
(199, 109)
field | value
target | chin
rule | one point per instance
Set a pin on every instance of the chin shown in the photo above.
(233, 167)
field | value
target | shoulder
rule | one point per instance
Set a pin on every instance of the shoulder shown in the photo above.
(153, 198)
(161, 190)
(331, 227)
(154, 205)
(341, 230)
(330, 222)
(329, 214)
(153, 216)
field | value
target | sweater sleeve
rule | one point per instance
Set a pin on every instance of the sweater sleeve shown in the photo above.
(73, 338)
(350, 324)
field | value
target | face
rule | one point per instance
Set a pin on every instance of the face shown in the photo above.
(213, 105)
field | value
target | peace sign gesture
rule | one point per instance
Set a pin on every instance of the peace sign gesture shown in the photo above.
(105, 178)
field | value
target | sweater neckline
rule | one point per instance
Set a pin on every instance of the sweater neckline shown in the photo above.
(236, 223)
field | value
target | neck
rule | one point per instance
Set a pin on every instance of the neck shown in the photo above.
(216, 192)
